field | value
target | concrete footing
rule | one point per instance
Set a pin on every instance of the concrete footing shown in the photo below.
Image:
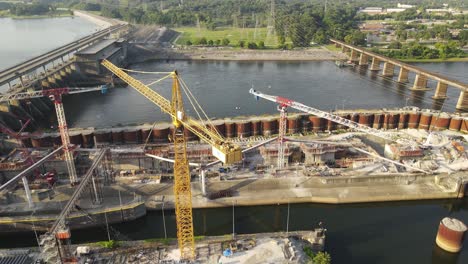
(403, 75)
(441, 91)
(375, 66)
(462, 103)
(420, 83)
(388, 69)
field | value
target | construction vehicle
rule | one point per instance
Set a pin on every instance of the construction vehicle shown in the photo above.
(226, 151)
(56, 96)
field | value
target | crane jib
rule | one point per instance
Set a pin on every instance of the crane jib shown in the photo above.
(284, 101)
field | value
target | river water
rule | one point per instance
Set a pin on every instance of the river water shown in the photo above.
(26, 38)
(364, 233)
(222, 90)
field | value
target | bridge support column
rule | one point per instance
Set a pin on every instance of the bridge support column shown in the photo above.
(363, 60)
(337, 45)
(388, 69)
(354, 56)
(420, 83)
(344, 49)
(441, 91)
(375, 66)
(403, 76)
(462, 103)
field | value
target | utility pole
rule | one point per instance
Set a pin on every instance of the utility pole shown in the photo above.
(271, 22)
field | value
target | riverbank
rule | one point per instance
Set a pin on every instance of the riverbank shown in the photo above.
(141, 53)
(57, 15)
(436, 60)
(102, 22)
(326, 190)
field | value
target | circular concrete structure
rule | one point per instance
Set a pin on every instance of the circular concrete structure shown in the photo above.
(117, 137)
(425, 121)
(269, 127)
(450, 234)
(130, 136)
(413, 121)
(243, 129)
(189, 135)
(403, 121)
(293, 125)
(316, 123)
(145, 132)
(256, 128)
(366, 119)
(88, 140)
(455, 123)
(103, 137)
(230, 129)
(76, 139)
(161, 134)
(221, 128)
(440, 122)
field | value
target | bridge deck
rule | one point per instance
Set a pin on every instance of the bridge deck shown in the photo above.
(436, 76)
(23, 68)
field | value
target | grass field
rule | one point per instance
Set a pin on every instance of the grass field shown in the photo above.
(233, 34)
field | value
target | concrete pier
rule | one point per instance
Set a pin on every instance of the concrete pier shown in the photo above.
(363, 60)
(422, 75)
(354, 56)
(375, 66)
(420, 83)
(403, 75)
(441, 91)
(388, 69)
(462, 103)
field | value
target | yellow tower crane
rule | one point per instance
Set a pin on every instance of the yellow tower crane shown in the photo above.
(225, 151)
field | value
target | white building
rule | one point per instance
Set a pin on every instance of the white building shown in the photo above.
(405, 6)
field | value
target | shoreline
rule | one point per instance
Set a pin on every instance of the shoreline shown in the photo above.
(142, 54)
(99, 21)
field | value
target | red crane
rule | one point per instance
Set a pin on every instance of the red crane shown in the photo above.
(56, 96)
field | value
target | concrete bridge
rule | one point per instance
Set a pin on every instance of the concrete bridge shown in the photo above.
(362, 57)
(17, 79)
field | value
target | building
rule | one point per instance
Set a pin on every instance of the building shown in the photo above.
(372, 10)
(394, 10)
(395, 152)
(270, 153)
(316, 154)
(88, 60)
(405, 6)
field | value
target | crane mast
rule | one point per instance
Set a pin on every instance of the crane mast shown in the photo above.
(281, 133)
(224, 150)
(56, 96)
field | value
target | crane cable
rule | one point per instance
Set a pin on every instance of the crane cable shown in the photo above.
(144, 72)
(191, 96)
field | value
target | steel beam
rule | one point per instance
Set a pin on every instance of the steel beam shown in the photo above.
(29, 169)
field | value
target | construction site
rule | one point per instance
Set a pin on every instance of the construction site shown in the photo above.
(56, 182)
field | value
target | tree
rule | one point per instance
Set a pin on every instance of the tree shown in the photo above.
(202, 41)
(321, 258)
(320, 37)
(188, 43)
(210, 42)
(241, 43)
(261, 44)
(395, 45)
(356, 37)
(252, 45)
(225, 42)
(217, 42)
